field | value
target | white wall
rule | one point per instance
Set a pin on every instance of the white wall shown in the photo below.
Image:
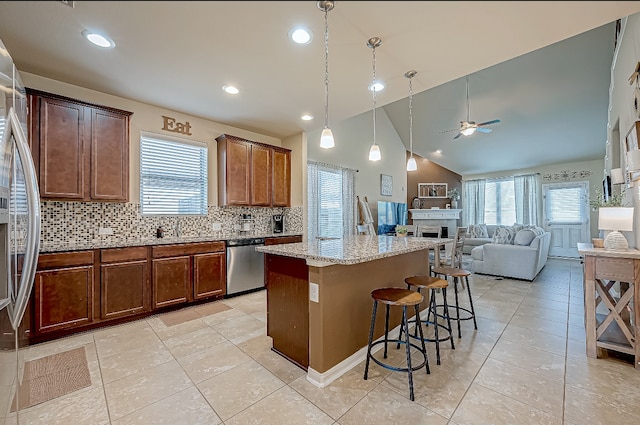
(621, 109)
(594, 167)
(353, 138)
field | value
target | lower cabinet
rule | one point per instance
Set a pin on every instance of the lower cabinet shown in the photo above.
(83, 289)
(187, 272)
(124, 282)
(63, 291)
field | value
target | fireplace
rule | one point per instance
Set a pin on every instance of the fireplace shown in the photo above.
(446, 219)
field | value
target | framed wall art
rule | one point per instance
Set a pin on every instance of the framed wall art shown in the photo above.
(386, 185)
(632, 155)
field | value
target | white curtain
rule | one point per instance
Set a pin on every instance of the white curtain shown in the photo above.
(527, 192)
(473, 202)
(322, 221)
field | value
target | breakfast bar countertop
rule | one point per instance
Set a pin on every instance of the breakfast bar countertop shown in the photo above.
(352, 249)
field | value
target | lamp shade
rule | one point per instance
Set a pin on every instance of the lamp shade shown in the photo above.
(374, 153)
(615, 218)
(411, 164)
(633, 159)
(616, 176)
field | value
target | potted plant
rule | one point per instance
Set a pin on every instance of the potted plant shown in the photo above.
(454, 195)
(402, 231)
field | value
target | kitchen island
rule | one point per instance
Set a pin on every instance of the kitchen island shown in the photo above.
(319, 296)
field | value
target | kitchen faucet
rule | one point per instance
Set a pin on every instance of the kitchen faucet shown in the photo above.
(178, 230)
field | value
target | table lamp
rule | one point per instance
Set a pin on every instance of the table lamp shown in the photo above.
(615, 219)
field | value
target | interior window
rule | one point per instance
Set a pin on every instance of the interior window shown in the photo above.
(500, 202)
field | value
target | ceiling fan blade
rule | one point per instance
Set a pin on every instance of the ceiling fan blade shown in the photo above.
(449, 131)
(483, 130)
(457, 135)
(489, 122)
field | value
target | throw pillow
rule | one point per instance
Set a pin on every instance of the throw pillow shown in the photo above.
(478, 231)
(517, 227)
(536, 229)
(524, 237)
(503, 235)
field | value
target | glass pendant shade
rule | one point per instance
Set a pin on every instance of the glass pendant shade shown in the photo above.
(468, 131)
(411, 164)
(374, 153)
(326, 138)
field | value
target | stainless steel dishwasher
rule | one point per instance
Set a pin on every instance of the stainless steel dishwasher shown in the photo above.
(245, 265)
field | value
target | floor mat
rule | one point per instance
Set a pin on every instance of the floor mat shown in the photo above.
(191, 313)
(52, 376)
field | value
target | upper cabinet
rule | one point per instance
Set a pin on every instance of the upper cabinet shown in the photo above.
(80, 150)
(252, 174)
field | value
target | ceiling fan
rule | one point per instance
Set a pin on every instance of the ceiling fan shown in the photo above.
(467, 128)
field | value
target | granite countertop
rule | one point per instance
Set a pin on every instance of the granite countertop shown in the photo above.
(115, 242)
(352, 249)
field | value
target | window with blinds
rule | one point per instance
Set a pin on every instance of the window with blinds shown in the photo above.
(173, 176)
(565, 205)
(499, 202)
(330, 223)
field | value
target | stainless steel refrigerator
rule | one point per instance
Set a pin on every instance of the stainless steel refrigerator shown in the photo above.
(19, 232)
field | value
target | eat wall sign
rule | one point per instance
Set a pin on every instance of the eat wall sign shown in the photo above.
(170, 124)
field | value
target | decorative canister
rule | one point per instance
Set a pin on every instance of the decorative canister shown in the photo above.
(415, 204)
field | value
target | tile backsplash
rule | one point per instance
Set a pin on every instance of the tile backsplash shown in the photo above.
(79, 222)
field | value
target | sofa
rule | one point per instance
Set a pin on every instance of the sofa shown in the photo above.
(515, 260)
(471, 241)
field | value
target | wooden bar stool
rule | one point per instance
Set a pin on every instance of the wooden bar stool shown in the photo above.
(403, 298)
(459, 276)
(433, 284)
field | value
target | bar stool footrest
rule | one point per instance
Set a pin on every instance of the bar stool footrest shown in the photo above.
(394, 368)
(447, 338)
(454, 317)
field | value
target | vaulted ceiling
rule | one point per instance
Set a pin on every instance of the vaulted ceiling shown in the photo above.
(178, 55)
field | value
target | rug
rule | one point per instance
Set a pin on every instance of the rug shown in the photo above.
(191, 313)
(52, 376)
(467, 263)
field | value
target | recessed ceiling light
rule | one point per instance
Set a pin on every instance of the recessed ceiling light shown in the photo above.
(99, 39)
(230, 89)
(300, 35)
(377, 86)
(439, 151)
(306, 117)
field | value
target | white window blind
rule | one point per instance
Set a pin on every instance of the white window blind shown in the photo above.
(499, 202)
(173, 177)
(330, 204)
(565, 205)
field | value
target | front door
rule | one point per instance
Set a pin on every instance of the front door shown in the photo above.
(566, 216)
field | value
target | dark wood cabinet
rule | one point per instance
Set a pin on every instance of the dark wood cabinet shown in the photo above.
(209, 275)
(81, 150)
(124, 282)
(282, 239)
(63, 291)
(252, 174)
(281, 178)
(187, 272)
(260, 175)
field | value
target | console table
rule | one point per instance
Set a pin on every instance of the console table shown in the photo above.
(612, 300)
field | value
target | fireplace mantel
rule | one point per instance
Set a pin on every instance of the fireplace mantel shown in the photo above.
(437, 217)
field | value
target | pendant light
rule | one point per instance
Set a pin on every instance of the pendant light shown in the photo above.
(326, 138)
(411, 163)
(374, 152)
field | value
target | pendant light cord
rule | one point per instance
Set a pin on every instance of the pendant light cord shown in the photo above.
(373, 89)
(326, 68)
(411, 116)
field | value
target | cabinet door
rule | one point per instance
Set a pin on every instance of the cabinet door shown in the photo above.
(171, 281)
(63, 298)
(109, 155)
(63, 156)
(260, 175)
(124, 289)
(209, 275)
(282, 240)
(237, 173)
(281, 178)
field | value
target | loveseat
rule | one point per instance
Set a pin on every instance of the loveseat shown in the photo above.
(472, 240)
(516, 260)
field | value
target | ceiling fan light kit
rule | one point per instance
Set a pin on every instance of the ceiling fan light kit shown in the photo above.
(326, 138)
(374, 152)
(468, 127)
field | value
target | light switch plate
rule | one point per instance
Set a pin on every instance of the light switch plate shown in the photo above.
(105, 231)
(216, 227)
(314, 292)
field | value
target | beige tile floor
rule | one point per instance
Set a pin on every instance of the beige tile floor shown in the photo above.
(526, 364)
